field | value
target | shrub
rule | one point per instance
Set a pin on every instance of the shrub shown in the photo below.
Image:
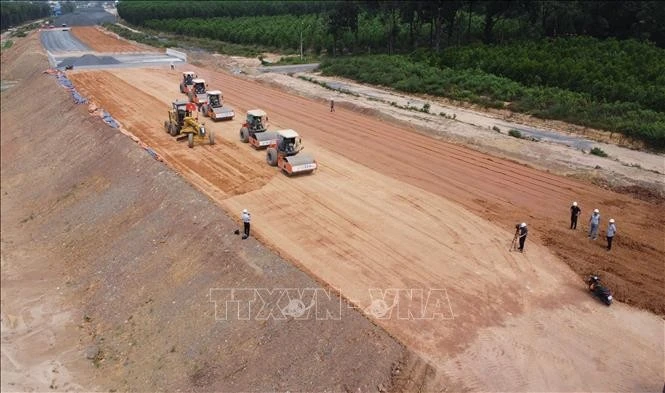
(597, 151)
(515, 134)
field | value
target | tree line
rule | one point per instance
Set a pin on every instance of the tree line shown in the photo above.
(434, 24)
(415, 74)
(14, 13)
(598, 64)
(139, 12)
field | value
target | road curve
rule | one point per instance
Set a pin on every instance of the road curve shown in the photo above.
(58, 40)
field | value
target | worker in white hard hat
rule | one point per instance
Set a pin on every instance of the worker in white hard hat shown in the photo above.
(522, 235)
(594, 222)
(246, 218)
(575, 212)
(611, 231)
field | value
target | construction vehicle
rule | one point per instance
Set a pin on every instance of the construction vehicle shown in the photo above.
(197, 93)
(187, 81)
(184, 126)
(255, 130)
(215, 108)
(284, 154)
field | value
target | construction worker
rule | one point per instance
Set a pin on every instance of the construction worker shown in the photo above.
(575, 212)
(522, 235)
(611, 231)
(332, 105)
(246, 218)
(594, 222)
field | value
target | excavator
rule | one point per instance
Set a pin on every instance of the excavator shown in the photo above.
(284, 154)
(182, 125)
(215, 108)
(255, 132)
(187, 81)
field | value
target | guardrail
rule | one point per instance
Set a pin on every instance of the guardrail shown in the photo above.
(178, 54)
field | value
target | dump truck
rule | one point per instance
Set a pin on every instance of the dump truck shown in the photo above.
(255, 130)
(197, 93)
(284, 153)
(215, 108)
(182, 125)
(187, 81)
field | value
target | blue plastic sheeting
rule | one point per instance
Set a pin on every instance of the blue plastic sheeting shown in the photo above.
(67, 84)
(152, 153)
(109, 120)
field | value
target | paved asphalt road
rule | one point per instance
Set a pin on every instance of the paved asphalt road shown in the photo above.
(67, 50)
(61, 41)
(85, 17)
(288, 69)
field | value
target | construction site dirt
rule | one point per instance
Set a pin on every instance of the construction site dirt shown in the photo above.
(100, 40)
(110, 260)
(390, 212)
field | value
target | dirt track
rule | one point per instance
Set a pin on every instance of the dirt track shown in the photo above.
(363, 222)
(104, 41)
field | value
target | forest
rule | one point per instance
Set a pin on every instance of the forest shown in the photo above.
(14, 13)
(594, 63)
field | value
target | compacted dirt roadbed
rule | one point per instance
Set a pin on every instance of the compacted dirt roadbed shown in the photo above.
(412, 231)
(394, 210)
(108, 259)
(496, 190)
(104, 41)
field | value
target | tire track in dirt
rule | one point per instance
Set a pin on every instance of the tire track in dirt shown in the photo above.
(503, 199)
(232, 175)
(500, 190)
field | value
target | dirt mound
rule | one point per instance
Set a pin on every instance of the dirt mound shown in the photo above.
(88, 60)
(94, 226)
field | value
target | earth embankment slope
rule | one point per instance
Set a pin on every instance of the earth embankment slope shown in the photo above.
(123, 254)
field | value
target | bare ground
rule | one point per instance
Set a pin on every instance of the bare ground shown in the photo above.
(361, 222)
(108, 258)
(511, 322)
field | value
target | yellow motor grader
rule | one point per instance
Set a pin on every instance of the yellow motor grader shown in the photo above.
(182, 125)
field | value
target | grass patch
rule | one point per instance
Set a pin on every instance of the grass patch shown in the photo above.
(515, 134)
(7, 44)
(325, 85)
(597, 151)
(292, 60)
